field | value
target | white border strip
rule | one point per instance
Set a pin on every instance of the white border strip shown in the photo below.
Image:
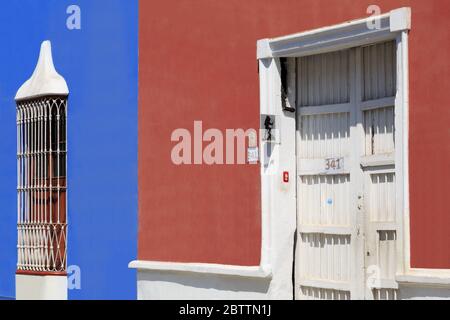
(425, 277)
(217, 269)
(339, 37)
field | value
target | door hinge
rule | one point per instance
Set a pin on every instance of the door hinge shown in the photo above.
(360, 202)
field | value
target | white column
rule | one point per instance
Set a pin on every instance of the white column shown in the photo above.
(41, 267)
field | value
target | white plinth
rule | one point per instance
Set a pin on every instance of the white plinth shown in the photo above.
(30, 287)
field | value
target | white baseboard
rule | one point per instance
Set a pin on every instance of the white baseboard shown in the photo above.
(32, 287)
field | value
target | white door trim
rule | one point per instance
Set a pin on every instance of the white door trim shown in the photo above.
(337, 37)
(394, 25)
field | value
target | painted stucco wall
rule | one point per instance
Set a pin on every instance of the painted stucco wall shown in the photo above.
(198, 62)
(99, 63)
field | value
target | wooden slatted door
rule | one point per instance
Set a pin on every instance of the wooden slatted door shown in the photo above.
(345, 219)
(327, 261)
(377, 110)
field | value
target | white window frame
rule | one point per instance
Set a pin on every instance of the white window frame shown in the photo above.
(277, 203)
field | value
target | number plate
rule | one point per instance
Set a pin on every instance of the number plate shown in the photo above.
(333, 165)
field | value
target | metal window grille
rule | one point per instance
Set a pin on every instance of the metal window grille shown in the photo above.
(42, 185)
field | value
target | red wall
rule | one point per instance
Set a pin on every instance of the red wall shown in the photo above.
(197, 61)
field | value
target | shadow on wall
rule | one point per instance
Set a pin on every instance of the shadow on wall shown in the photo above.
(195, 286)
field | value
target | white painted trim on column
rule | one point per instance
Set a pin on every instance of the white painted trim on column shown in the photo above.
(35, 287)
(45, 80)
(218, 269)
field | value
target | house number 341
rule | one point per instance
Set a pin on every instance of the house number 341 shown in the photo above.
(333, 164)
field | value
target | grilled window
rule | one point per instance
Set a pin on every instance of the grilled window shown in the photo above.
(42, 184)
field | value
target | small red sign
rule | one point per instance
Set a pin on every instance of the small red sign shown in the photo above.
(286, 177)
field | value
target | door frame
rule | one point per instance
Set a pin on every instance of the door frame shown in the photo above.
(278, 198)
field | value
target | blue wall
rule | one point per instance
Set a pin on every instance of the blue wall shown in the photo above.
(99, 63)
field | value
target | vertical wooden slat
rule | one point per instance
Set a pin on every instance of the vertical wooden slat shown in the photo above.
(323, 79)
(379, 71)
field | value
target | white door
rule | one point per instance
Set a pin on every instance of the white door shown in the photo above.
(378, 90)
(345, 147)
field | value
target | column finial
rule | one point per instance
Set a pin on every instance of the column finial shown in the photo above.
(45, 79)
